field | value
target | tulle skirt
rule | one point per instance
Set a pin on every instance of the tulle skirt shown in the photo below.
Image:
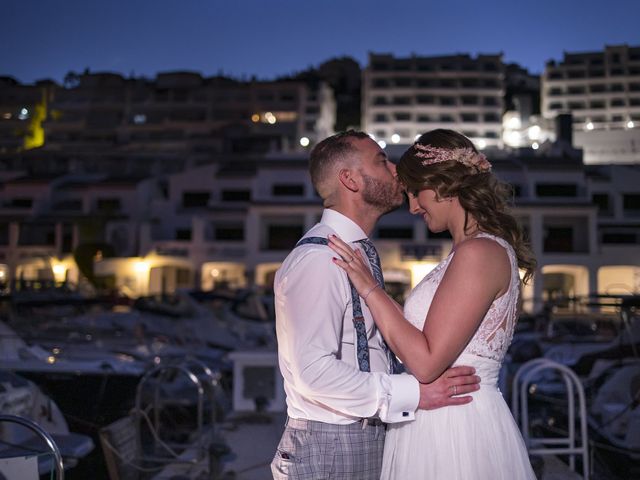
(477, 441)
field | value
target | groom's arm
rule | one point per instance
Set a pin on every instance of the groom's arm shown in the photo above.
(447, 389)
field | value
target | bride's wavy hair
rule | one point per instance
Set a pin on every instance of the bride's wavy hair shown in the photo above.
(479, 192)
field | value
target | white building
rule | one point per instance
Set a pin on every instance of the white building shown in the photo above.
(602, 91)
(405, 97)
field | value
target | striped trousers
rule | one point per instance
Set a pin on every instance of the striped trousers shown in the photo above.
(311, 450)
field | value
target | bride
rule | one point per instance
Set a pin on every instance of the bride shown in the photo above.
(463, 312)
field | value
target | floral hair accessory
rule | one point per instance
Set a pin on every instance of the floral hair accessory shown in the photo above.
(466, 156)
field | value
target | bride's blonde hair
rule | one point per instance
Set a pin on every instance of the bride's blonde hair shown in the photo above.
(479, 192)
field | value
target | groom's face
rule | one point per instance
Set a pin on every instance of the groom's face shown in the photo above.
(381, 187)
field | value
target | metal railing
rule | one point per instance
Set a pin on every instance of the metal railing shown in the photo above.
(48, 440)
(552, 445)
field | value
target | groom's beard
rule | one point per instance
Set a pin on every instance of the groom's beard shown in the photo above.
(384, 196)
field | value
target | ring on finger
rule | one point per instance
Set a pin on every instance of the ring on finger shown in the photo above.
(350, 260)
(455, 390)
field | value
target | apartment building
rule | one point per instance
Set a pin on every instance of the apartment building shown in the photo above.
(174, 112)
(404, 97)
(602, 91)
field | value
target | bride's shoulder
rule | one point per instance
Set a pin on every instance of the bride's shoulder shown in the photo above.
(483, 251)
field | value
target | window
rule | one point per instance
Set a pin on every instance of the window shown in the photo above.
(395, 232)
(403, 82)
(617, 102)
(628, 238)
(195, 199)
(381, 118)
(601, 200)
(425, 99)
(576, 90)
(283, 237)
(380, 100)
(287, 190)
(424, 118)
(446, 119)
(631, 203)
(183, 234)
(469, 117)
(108, 204)
(447, 101)
(597, 88)
(21, 202)
(491, 117)
(616, 87)
(469, 100)
(469, 82)
(380, 83)
(596, 104)
(556, 106)
(556, 190)
(236, 195)
(229, 233)
(401, 100)
(558, 239)
(490, 101)
(403, 116)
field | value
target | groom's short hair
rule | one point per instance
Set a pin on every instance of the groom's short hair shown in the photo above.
(326, 154)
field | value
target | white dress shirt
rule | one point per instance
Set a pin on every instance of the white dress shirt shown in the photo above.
(316, 339)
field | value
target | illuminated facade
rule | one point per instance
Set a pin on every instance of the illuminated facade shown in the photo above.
(232, 222)
(602, 91)
(405, 97)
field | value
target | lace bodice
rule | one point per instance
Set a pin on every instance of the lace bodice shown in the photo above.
(493, 337)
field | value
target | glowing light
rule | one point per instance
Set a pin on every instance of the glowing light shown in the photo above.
(59, 270)
(270, 118)
(6, 116)
(141, 266)
(55, 350)
(535, 145)
(630, 124)
(419, 270)
(215, 273)
(534, 132)
(24, 114)
(51, 359)
(382, 144)
(255, 118)
(589, 126)
(395, 138)
(513, 138)
(514, 122)
(139, 119)
(304, 141)
(3, 274)
(372, 136)
(482, 144)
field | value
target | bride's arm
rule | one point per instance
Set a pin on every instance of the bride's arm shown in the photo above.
(477, 273)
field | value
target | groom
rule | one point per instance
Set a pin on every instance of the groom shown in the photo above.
(335, 364)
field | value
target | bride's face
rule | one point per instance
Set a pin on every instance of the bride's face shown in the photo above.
(435, 212)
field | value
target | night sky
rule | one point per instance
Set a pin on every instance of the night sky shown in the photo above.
(48, 38)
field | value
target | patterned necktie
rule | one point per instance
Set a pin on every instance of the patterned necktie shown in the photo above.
(374, 259)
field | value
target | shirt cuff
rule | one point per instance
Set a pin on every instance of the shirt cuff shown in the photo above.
(403, 401)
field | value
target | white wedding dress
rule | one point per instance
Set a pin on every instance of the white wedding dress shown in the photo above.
(476, 441)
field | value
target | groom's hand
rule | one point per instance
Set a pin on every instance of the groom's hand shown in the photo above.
(449, 388)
